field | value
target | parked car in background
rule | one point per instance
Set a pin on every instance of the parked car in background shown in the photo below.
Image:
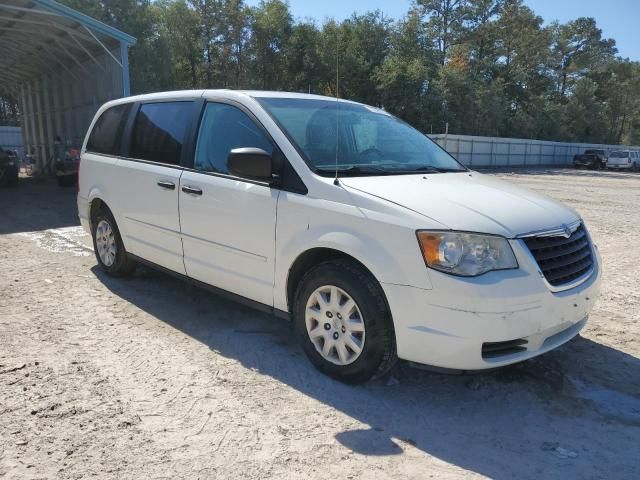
(624, 160)
(9, 167)
(371, 238)
(591, 159)
(66, 168)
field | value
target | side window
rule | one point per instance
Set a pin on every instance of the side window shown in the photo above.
(159, 131)
(223, 128)
(107, 131)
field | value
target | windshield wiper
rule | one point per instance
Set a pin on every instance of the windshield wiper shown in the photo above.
(428, 169)
(390, 170)
(355, 170)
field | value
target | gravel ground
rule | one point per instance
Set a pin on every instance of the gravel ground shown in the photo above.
(151, 378)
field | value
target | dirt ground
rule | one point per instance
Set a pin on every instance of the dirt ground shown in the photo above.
(151, 378)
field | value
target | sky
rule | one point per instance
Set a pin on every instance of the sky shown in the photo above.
(618, 19)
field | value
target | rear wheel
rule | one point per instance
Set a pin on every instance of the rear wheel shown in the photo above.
(108, 247)
(343, 322)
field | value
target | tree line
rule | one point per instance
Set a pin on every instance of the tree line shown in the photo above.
(482, 67)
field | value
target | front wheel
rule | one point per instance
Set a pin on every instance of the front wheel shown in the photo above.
(343, 322)
(108, 247)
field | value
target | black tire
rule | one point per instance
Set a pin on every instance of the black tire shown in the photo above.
(123, 265)
(9, 177)
(379, 351)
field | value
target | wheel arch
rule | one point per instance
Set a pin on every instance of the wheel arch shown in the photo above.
(95, 205)
(314, 256)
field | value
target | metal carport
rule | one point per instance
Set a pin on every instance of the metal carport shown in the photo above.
(60, 65)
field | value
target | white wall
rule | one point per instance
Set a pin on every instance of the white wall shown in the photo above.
(502, 152)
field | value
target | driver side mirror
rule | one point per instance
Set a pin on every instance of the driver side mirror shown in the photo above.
(250, 162)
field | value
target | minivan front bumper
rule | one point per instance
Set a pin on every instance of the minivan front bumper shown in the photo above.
(488, 321)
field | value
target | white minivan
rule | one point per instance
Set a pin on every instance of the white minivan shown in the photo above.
(372, 239)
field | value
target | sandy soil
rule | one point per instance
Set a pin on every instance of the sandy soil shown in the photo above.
(151, 378)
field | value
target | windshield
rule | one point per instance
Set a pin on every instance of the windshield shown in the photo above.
(368, 140)
(619, 154)
(594, 152)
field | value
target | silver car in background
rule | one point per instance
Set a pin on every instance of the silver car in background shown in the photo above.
(624, 160)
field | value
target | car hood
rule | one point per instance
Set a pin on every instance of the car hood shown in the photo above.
(468, 201)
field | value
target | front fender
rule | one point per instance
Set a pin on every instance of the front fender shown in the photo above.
(401, 266)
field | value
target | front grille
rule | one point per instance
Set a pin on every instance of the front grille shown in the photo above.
(498, 349)
(562, 259)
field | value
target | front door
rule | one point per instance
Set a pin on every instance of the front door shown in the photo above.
(228, 224)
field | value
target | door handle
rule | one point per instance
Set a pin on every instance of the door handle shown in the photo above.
(167, 185)
(192, 190)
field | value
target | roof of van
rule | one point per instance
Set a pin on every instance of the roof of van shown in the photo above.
(274, 94)
(222, 93)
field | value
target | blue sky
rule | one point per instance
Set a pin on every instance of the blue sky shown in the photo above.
(618, 19)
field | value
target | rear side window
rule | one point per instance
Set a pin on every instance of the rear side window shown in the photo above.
(223, 128)
(107, 131)
(159, 131)
(620, 155)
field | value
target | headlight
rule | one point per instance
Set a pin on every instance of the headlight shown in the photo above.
(466, 254)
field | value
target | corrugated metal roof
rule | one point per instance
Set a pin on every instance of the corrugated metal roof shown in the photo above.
(87, 20)
(39, 36)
